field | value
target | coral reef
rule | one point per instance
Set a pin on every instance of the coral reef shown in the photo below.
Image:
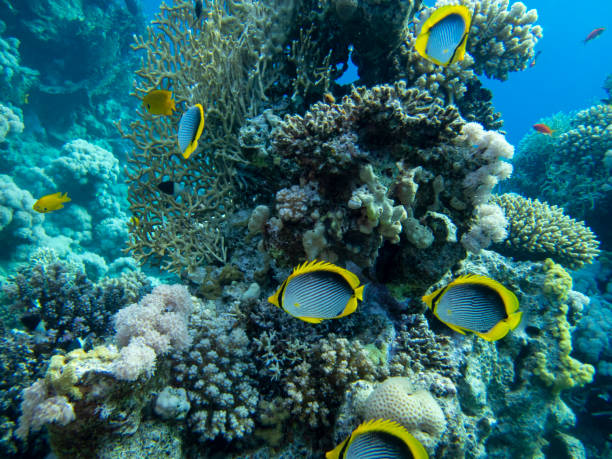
(59, 293)
(502, 39)
(517, 384)
(537, 231)
(396, 399)
(375, 159)
(88, 398)
(569, 169)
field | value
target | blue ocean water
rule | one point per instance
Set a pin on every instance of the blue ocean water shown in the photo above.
(144, 294)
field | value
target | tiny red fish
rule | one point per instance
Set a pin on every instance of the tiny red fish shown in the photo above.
(533, 61)
(543, 128)
(594, 34)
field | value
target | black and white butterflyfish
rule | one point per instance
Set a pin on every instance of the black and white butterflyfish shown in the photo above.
(376, 439)
(318, 290)
(476, 304)
(190, 129)
(444, 35)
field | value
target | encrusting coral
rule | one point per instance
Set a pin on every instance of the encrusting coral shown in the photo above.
(537, 231)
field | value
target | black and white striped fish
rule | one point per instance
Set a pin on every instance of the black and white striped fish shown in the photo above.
(443, 36)
(318, 290)
(477, 304)
(378, 439)
(190, 129)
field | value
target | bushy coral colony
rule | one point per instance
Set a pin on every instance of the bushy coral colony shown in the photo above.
(392, 182)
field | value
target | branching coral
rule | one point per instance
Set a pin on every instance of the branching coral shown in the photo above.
(537, 231)
(224, 63)
(71, 306)
(218, 373)
(501, 40)
(570, 169)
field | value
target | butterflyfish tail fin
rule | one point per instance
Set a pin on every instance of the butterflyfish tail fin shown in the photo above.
(359, 293)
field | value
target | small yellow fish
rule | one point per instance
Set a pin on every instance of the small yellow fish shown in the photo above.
(159, 102)
(51, 202)
(134, 221)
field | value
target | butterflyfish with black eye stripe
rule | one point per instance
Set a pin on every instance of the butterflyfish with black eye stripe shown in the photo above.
(159, 102)
(379, 438)
(51, 202)
(444, 34)
(318, 290)
(190, 129)
(476, 304)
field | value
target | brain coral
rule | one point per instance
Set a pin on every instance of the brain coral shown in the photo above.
(396, 399)
(538, 231)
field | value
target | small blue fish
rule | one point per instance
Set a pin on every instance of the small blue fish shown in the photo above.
(318, 290)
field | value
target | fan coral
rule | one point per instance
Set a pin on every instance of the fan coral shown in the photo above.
(538, 231)
(225, 63)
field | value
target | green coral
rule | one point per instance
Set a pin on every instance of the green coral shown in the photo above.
(537, 231)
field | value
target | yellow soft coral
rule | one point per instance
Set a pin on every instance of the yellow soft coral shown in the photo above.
(63, 372)
(561, 371)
